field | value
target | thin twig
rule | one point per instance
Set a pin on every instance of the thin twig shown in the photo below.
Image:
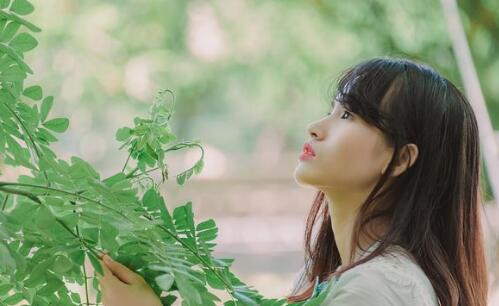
(5, 202)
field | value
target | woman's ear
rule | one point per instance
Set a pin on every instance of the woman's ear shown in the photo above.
(407, 156)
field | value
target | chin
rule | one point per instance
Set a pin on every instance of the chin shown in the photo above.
(304, 177)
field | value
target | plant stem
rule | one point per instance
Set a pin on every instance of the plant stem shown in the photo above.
(84, 268)
(77, 235)
(173, 148)
(33, 144)
(21, 192)
(37, 200)
(131, 174)
(32, 196)
(86, 284)
(128, 158)
(166, 230)
(135, 170)
(5, 202)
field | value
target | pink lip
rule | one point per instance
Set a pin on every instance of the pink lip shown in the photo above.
(308, 152)
(305, 156)
(307, 148)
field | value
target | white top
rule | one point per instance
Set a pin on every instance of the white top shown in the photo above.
(384, 280)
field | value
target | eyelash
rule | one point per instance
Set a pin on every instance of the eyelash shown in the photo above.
(349, 113)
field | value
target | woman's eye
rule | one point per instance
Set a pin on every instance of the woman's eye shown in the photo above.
(346, 112)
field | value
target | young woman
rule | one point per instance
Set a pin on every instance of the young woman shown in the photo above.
(397, 167)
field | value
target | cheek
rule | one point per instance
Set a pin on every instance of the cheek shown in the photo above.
(349, 158)
(356, 158)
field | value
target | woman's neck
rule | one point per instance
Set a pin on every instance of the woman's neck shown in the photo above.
(343, 210)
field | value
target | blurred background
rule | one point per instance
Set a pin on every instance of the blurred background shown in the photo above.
(248, 76)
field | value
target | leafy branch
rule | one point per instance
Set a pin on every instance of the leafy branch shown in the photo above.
(64, 213)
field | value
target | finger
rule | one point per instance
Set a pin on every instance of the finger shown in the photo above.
(108, 279)
(101, 254)
(120, 271)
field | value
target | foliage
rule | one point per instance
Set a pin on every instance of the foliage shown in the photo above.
(64, 213)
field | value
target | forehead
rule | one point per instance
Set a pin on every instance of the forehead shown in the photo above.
(336, 103)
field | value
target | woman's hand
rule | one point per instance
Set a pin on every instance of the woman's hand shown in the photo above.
(121, 286)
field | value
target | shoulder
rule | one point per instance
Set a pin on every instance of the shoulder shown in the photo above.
(389, 279)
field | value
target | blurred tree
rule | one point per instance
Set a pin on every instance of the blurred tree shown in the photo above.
(237, 66)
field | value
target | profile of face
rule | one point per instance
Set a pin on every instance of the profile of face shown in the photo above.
(350, 154)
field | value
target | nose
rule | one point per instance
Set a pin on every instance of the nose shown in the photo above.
(314, 131)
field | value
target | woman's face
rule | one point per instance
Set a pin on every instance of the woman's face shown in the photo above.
(349, 153)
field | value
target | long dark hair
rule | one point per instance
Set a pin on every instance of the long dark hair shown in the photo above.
(433, 206)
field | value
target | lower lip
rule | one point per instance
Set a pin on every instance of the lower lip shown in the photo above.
(306, 156)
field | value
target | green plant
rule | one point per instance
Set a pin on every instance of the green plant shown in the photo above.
(64, 213)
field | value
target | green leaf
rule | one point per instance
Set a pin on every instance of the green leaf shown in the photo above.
(147, 158)
(123, 133)
(58, 125)
(167, 137)
(155, 205)
(214, 281)
(45, 135)
(15, 58)
(81, 169)
(21, 7)
(168, 300)
(14, 146)
(181, 178)
(52, 286)
(62, 264)
(208, 235)
(208, 224)
(5, 288)
(223, 262)
(23, 42)
(75, 297)
(13, 74)
(37, 275)
(165, 281)
(28, 114)
(7, 98)
(188, 291)
(90, 233)
(199, 166)
(14, 299)
(44, 219)
(70, 219)
(77, 257)
(2, 141)
(4, 3)
(33, 92)
(7, 263)
(108, 238)
(9, 31)
(246, 300)
(3, 22)
(95, 263)
(46, 107)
